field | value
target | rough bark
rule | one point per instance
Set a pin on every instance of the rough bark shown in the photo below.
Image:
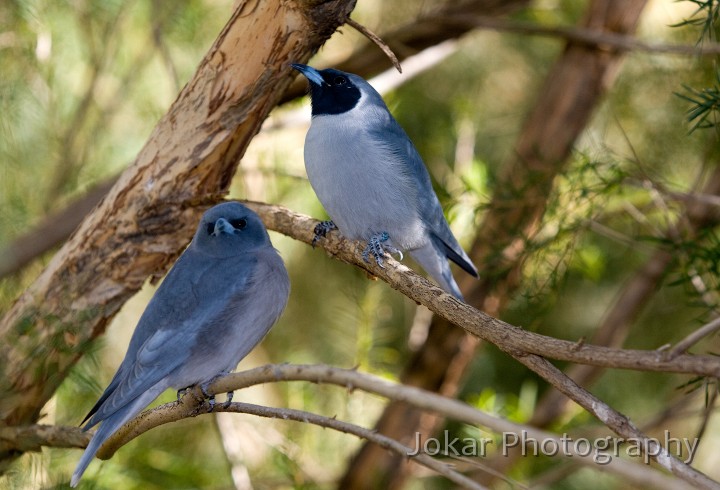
(572, 90)
(143, 223)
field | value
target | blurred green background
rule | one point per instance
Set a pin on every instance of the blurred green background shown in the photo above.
(82, 84)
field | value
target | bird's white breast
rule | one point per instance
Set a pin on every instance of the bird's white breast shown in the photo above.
(360, 182)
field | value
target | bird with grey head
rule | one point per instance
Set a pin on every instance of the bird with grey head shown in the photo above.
(371, 180)
(217, 302)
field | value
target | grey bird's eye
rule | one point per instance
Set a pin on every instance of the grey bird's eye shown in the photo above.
(339, 80)
(238, 223)
(210, 228)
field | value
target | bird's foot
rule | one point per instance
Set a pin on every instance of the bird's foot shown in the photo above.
(322, 229)
(211, 398)
(377, 247)
(228, 401)
(182, 392)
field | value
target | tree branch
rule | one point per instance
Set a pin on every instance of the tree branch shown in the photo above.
(525, 347)
(694, 337)
(615, 421)
(51, 231)
(507, 337)
(603, 40)
(375, 39)
(444, 469)
(35, 437)
(193, 404)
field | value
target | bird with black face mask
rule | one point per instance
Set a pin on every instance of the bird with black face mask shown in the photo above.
(217, 302)
(371, 180)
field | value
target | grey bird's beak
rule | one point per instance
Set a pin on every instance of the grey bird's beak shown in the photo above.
(223, 226)
(310, 73)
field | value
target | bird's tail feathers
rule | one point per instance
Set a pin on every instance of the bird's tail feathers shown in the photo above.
(106, 394)
(434, 261)
(109, 426)
(458, 256)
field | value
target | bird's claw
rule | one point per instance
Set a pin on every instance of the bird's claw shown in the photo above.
(182, 392)
(228, 401)
(392, 250)
(210, 398)
(321, 230)
(376, 247)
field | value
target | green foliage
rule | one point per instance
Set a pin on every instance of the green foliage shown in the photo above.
(705, 18)
(704, 102)
(705, 105)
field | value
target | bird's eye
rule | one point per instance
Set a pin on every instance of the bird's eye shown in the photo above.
(238, 223)
(339, 80)
(210, 228)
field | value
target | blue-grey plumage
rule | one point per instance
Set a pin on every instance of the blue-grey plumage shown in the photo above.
(370, 178)
(218, 301)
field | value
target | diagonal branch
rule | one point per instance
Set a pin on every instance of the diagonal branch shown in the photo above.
(526, 347)
(695, 337)
(617, 422)
(444, 469)
(635, 295)
(51, 231)
(507, 337)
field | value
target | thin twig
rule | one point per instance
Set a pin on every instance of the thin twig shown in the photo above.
(192, 405)
(615, 421)
(377, 40)
(599, 39)
(695, 337)
(709, 407)
(361, 432)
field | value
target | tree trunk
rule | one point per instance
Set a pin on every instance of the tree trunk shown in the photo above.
(147, 218)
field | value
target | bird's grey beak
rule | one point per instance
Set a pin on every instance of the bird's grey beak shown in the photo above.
(310, 73)
(223, 226)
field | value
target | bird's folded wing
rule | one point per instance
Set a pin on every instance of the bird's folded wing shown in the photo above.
(167, 338)
(401, 150)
